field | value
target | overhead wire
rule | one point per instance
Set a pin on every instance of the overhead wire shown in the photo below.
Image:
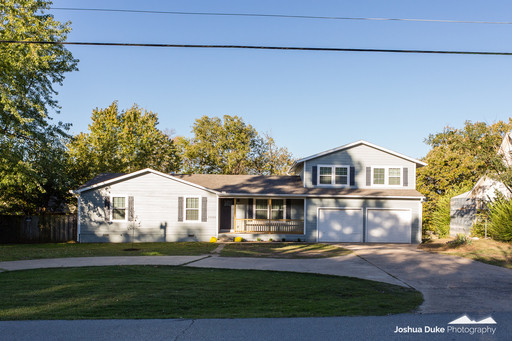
(257, 47)
(282, 16)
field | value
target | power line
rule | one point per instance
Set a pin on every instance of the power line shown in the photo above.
(280, 16)
(254, 47)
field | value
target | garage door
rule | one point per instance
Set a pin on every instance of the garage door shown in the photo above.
(340, 225)
(389, 225)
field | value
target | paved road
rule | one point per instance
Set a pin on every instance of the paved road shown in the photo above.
(448, 283)
(280, 329)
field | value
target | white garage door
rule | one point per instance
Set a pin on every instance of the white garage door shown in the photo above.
(389, 225)
(340, 225)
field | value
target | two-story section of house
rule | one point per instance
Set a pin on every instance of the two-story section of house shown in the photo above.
(358, 193)
(361, 192)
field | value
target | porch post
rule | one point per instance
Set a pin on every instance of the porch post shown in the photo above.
(234, 215)
(269, 215)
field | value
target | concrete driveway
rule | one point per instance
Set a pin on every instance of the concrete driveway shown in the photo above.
(448, 283)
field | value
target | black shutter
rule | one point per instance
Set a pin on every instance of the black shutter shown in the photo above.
(106, 208)
(180, 208)
(249, 209)
(352, 176)
(314, 174)
(288, 209)
(406, 177)
(368, 176)
(131, 210)
(204, 209)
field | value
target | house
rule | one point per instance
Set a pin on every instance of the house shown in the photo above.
(359, 192)
(464, 207)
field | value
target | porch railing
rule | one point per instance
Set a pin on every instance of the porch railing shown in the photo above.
(274, 226)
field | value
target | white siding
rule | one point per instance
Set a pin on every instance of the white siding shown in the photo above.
(360, 157)
(155, 209)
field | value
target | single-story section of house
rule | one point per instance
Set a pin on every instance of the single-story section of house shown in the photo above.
(359, 192)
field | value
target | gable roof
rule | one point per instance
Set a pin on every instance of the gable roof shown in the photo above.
(109, 178)
(357, 143)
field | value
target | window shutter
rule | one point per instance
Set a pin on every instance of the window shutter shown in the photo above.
(131, 210)
(180, 208)
(352, 176)
(314, 174)
(106, 208)
(406, 177)
(368, 176)
(249, 208)
(204, 209)
(288, 209)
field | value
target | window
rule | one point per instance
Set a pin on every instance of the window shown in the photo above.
(325, 175)
(277, 209)
(341, 176)
(387, 176)
(192, 209)
(394, 176)
(118, 208)
(334, 175)
(261, 209)
(379, 176)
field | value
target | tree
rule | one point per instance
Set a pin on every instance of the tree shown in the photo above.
(31, 147)
(275, 160)
(458, 158)
(230, 146)
(121, 142)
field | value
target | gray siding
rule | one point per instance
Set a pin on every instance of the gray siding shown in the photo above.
(313, 204)
(155, 210)
(360, 157)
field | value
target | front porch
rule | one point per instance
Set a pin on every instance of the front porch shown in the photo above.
(274, 216)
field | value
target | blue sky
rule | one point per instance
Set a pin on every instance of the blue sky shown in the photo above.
(308, 101)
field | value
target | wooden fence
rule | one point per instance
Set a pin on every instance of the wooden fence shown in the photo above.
(52, 228)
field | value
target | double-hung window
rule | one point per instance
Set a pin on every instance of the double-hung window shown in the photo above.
(277, 209)
(334, 175)
(192, 209)
(261, 209)
(387, 176)
(118, 208)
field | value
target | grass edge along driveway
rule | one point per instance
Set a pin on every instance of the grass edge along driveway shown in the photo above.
(10, 252)
(133, 292)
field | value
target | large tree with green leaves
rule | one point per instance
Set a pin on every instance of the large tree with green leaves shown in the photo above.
(122, 142)
(31, 146)
(230, 146)
(458, 158)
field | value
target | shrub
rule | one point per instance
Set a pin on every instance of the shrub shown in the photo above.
(283, 239)
(213, 240)
(270, 240)
(461, 239)
(500, 216)
(258, 239)
(238, 239)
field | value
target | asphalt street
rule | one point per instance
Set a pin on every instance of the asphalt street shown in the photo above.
(432, 326)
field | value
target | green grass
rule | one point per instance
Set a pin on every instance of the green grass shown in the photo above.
(62, 250)
(133, 292)
(283, 250)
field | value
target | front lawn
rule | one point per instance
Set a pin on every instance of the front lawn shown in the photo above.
(135, 292)
(483, 250)
(62, 250)
(283, 250)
